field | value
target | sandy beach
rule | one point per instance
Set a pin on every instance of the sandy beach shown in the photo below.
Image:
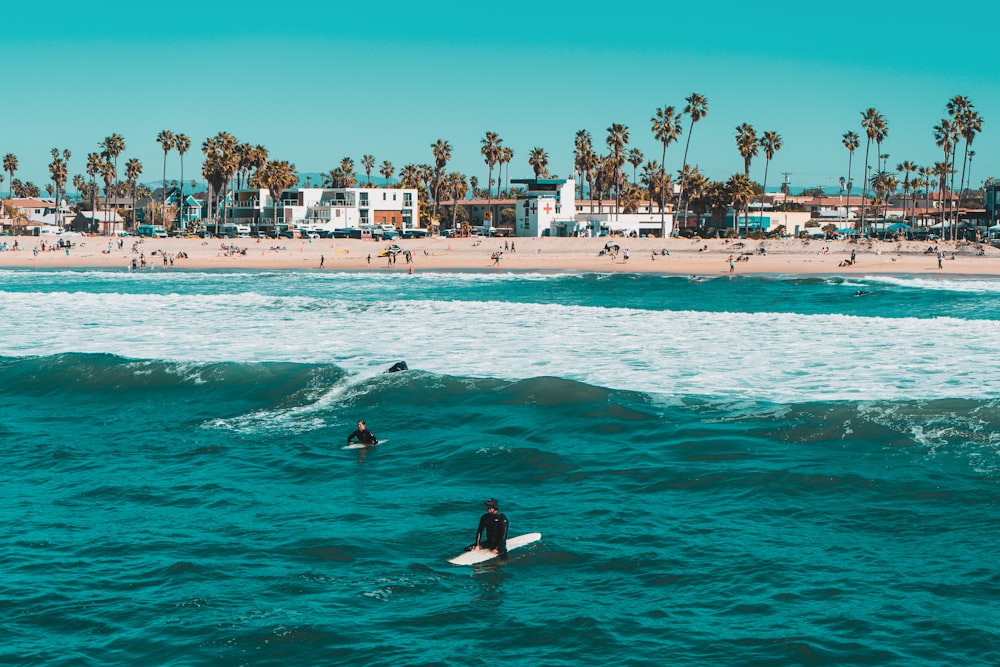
(669, 257)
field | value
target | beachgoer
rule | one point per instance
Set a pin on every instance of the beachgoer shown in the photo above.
(940, 257)
(322, 261)
(853, 256)
(363, 435)
(494, 524)
(369, 259)
(732, 264)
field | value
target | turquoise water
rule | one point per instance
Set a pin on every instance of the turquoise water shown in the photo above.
(740, 471)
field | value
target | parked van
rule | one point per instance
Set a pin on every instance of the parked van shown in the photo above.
(152, 231)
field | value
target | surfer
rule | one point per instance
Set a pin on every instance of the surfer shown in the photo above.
(396, 367)
(363, 435)
(494, 524)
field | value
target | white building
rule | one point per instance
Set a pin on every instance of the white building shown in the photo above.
(328, 208)
(548, 208)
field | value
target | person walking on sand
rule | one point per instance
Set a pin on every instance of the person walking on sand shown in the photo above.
(322, 261)
(732, 264)
(939, 258)
(369, 260)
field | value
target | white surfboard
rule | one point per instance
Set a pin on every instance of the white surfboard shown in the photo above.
(482, 555)
(361, 445)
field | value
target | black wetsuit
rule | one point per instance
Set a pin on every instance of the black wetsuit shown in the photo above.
(495, 525)
(364, 436)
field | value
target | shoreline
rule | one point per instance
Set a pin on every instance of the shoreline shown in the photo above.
(670, 257)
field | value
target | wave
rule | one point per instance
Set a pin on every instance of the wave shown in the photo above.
(105, 376)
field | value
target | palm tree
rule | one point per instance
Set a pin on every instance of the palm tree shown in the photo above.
(771, 144)
(874, 125)
(739, 190)
(851, 142)
(93, 168)
(458, 189)
(221, 163)
(666, 129)
(387, 170)
(635, 158)
(166, 140)
(538, 159)
(58, 172)
(108, 175)
(491, 149)
(971, 124)
(442, 154)
(182, 143)
(133, 169)
(616, 141)
(746, 143)
(906, 168)
(945, 137)
(10, 166)
(368, 163)
(696, 108)
(584, 160)
(276, 176)
(114, 146)
(347, 170)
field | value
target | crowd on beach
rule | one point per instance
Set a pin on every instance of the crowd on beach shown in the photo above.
(677, 256)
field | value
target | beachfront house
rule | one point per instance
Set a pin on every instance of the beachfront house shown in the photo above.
(185, 215)
(326, 209)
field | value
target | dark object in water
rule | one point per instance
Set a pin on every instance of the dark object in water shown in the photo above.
(398, 366)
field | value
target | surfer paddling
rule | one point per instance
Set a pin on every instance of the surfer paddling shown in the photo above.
(362, 436)
(494, 524)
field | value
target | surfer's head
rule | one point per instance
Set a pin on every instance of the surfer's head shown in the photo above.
(491, 504)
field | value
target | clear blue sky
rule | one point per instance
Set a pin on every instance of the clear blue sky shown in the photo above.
(297, 77)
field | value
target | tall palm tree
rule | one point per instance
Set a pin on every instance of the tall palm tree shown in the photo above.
(770, 143)
(457, 188)
(851, 142)
(506, 156)
(92, 169)
(538, 159)
(58, 171)
(275, 176)
(133, 169)
(221, 164)
(873, 123)
(491, 150)
(616, 141)
(746, 143)
(666, 129)
(696, 108)
(10, 166)
(583, 160)
(971, 125)
(906, 168)
(108, 174)
(635, 158)
(166, 140)
(387, 170)
(945, 138)
(740, 192)
(182, 143)
(442, 154)
(368, 163)
(114, 146)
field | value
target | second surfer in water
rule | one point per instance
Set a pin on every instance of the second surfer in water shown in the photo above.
(362, 435)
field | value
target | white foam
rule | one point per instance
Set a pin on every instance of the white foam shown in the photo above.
(780, 357)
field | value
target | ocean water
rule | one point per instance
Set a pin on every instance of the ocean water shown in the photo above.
(733, 471)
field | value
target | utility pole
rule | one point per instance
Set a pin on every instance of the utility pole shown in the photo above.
(784, 188)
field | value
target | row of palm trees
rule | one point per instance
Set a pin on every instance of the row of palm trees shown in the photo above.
(963, 123)
(229, 163)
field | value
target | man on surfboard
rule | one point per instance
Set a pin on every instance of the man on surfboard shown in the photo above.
(363, 435)
(494, 524)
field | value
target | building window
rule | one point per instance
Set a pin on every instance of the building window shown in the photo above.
(383, 196)
(364, 199)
